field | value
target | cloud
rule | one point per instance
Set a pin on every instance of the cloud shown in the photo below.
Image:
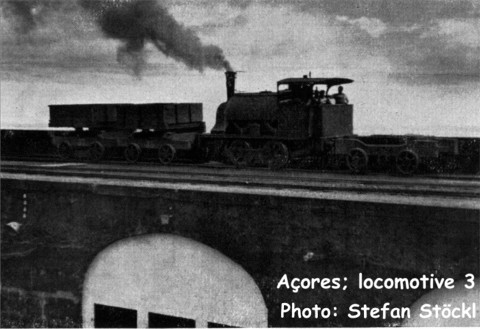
(432, 38)
(263, 33)
(442, 47)
(435, 48)
(208, 17)
(373, 26)
(464, 32)
(59, 35)
(393, 13)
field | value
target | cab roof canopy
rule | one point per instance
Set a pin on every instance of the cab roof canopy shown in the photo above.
(317, 81)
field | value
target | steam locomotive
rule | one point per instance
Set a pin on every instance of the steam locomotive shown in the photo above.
(273, 129)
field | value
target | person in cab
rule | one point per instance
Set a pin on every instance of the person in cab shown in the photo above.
(340, 97)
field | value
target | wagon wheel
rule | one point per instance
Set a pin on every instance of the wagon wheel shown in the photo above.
(407, 162)
(96, 151)
(357, 160)
(275, 155)
(65, 150)
(132, 153)
(238, 153)
(166, 154)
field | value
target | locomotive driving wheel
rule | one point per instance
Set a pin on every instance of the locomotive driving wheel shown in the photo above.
(357, 160)
(132, 152)
(166, 154)
(96, 151)
(65, 150)
(275, 155)
(238, 153)
(407, 162)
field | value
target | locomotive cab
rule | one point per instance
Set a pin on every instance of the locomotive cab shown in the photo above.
(306, 110)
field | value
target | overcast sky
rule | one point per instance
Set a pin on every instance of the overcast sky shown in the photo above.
(416, 64)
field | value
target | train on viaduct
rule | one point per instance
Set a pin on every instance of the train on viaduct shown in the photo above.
(295, 124)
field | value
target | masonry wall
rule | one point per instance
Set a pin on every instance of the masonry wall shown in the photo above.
(65, 226)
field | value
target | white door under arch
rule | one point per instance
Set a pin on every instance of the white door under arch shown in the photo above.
(161, 280)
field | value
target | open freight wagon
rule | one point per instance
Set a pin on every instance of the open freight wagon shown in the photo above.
(162, 130)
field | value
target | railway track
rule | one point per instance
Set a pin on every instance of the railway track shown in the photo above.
(464, 187)
(231, 169)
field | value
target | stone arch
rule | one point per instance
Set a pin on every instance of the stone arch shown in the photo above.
(171, 276)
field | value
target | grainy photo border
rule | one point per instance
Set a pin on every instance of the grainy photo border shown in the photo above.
(253, 163)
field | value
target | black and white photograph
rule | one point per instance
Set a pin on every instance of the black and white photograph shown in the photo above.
(239, 163)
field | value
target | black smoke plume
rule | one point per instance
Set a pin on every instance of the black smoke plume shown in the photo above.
(137, 22)
(133, 22)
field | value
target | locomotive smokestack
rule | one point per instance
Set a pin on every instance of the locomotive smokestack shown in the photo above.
(230, 83)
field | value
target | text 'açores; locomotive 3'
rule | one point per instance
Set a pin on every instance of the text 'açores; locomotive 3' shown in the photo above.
(301, 121)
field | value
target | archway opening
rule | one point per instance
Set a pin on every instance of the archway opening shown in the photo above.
(162, 280)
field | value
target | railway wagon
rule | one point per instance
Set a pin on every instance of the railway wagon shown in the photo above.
(164, 130)
(301, 120)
